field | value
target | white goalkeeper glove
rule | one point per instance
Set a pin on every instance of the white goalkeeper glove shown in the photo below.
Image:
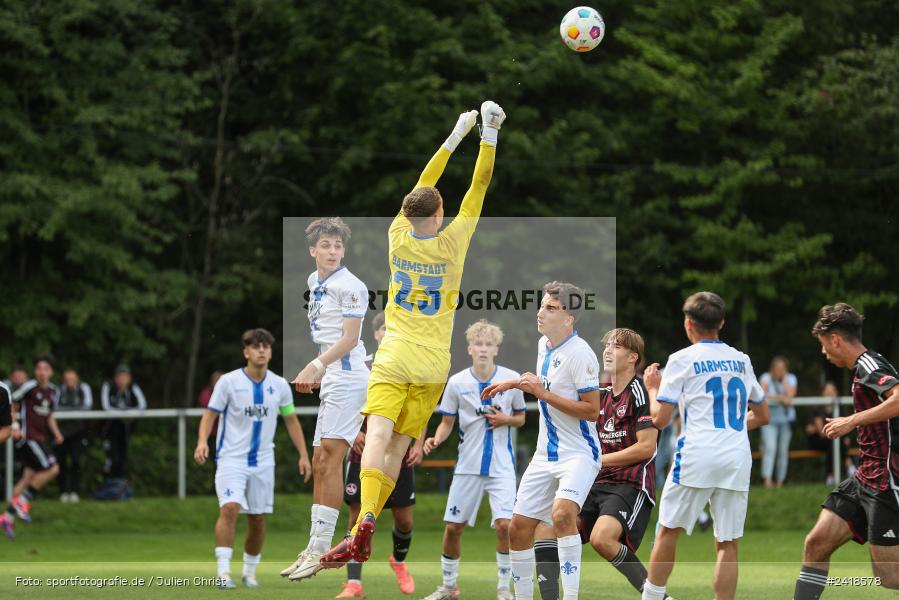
(463, 126)
(492, 117)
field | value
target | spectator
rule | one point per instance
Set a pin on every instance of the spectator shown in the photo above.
(780, 388)
(74, 395)
(120, 394)
(17, 378)
(814, 431)
(205, 396)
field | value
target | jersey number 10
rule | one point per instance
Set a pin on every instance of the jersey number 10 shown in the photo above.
(736, 402)
(431, 285)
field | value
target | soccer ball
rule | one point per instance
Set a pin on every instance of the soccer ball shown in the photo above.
(582, 29)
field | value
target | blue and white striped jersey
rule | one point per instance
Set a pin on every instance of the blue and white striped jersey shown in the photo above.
(249, 415)
(569, 369)
(482, 451)
(332, 299)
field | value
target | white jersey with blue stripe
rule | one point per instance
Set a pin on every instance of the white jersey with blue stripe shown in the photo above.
(482, 451)
(569, 369)
(248, 417)
(712, 385)
(338, 296)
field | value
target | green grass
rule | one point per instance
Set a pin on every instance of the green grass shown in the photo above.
(161, 538)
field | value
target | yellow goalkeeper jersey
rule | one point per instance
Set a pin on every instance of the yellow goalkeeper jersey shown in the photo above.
(426, 272)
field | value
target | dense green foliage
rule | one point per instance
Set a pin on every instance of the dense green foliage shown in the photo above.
(148, 151)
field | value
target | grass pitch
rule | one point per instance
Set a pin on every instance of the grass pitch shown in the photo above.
(159, 547)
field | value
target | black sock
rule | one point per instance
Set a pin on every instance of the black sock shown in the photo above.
(810, 584)
(29, 494)
(630, 566)
(401, 543)
(546, 553)
(354, 571)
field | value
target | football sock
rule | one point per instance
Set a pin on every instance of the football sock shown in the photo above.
(630, 566)
(653, 592)
(402, 540)
(370, 491)
(223, 558)
(354, 572)
(327, 523)
(313, 525)
(450, 568)
(547, 553)
(810, 584)
(523, 573)
(570, 565)
(28, 494)
(387, 485)
(249, 564)
(503, 570)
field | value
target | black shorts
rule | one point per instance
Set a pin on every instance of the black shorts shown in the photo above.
(34, 455)
(403, 494)
(873, 516)
(626, 503)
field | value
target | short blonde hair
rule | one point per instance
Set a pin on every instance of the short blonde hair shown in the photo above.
(484, 329)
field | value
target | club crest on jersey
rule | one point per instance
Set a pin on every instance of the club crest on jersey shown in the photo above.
(590, 371)
(556, 362)
(257, 410)
(621, 410)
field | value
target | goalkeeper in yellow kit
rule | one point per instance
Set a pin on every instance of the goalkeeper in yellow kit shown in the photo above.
(413, 361)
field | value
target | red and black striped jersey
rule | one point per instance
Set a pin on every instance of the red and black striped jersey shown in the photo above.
(620, 418)
(878, 443)
(36, 404)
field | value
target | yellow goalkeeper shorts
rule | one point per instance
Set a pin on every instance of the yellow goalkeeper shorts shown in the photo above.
(406, 383)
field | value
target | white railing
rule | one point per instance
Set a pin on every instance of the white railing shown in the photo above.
(182, 414)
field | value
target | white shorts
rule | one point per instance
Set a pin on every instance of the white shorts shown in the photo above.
(680, 507)
(544, 482)
(251, 487)
(342, 396)
(466, 492)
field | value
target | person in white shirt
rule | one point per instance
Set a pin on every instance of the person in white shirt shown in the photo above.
(714, 386)
(249, 401)
(337, 304)
(567, 458)
(486, 461)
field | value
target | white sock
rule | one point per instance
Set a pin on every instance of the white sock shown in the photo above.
(570, 565)
(223, 558)
(313, 525)
(450, 568)
(523, 564)
(503, 570)
(327, 523)
(653, 592)
(249, 564)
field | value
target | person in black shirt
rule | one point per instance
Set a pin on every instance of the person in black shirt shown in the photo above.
(5, 413)
(864, 507)
(74, 395)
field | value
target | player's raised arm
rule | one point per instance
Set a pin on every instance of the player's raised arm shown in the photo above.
(492, 117)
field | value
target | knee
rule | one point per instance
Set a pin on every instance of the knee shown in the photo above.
(518, 534)
(502, 529)
(454, 530)
(403, 520)
(817, 548)
(604, 546)
(230, 511)
(563, 521)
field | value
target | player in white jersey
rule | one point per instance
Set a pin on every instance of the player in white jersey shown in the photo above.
(567, 457)
(486, 462)
(249, 401)
(337, 304)
(713, 386)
